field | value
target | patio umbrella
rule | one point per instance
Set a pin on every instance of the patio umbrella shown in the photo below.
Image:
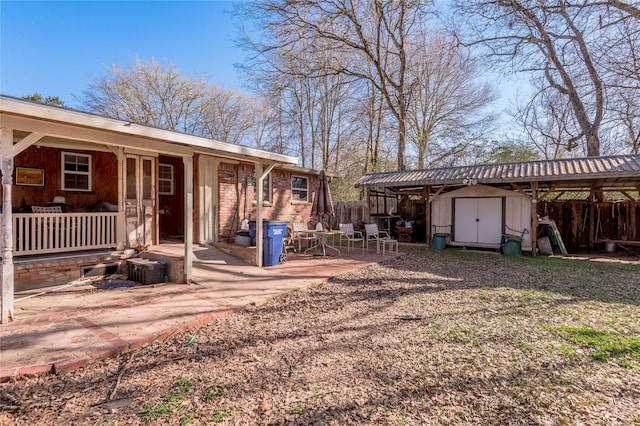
(322, 204)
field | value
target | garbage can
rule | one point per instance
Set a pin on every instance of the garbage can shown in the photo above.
(273, 233)
(512, 247)
(440, 241)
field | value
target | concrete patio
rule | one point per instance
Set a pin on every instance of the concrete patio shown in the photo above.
(67, 327)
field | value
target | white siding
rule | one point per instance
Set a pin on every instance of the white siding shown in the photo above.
(517, 208)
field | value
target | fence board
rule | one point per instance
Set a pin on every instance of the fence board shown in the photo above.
(355, 212)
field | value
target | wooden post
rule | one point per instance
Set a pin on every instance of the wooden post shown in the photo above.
(534, 217)
(426, 193)
(187, 160)
(121, 229)
(259, 233)
(6, 169)
(592, 222)
(196, 198)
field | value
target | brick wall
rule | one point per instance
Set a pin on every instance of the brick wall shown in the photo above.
(46, 272)
(235, 194)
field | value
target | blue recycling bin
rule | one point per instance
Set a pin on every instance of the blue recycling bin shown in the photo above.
(272, 240)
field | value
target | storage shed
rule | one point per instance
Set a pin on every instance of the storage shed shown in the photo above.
(590, 201)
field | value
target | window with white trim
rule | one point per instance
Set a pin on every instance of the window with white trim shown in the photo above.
(76, 172)
(299, 189)
(165, 179)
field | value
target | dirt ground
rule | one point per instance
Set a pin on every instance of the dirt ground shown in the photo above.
(448, 337)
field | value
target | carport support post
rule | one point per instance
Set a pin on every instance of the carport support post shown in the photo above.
(427, 212)
(6, 164)
(534, 217)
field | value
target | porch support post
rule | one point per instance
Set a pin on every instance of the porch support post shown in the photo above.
(261, 175)
(259, 233)
(188, 216)
(6, 164)
(121, 236)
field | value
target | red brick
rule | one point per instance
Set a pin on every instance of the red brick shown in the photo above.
(33, 371)
(69, 365)
(111, 352)
(141, 341)
(8, 375)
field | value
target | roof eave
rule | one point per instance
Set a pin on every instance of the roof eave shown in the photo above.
(30, 109)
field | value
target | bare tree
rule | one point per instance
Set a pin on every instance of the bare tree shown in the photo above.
(571, 45)
(361, 39)
(548, 124)
(447, 105)
(149, 93)
(226, 115)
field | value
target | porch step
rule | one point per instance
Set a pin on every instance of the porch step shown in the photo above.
(246, 254)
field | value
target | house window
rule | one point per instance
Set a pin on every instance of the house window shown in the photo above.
(76, 172)
(165, 179)
(266, 189)
(299, 189)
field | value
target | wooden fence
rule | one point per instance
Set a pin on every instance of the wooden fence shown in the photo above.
(355, 212)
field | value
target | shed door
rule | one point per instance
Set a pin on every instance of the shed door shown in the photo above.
(140, 199)
(478, 220)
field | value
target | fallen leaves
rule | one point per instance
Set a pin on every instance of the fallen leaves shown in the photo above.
(428, 338)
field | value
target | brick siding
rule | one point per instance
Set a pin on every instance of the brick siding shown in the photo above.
(236, 195)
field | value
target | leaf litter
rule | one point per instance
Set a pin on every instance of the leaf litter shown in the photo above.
(427, 338)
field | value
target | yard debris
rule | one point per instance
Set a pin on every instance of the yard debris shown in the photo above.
(120, 374)
(427, 338)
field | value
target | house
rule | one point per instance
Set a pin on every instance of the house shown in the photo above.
(108, 185)
(591, 201)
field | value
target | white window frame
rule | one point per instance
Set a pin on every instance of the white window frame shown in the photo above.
(299, 189)
(172, 179)
(66, 172)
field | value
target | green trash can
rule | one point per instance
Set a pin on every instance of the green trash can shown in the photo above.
(512, 247)
(439, 241)
(511, 244)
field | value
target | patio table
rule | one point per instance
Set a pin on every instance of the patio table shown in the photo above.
(322, 241)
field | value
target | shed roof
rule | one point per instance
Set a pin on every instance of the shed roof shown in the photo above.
(620, 169)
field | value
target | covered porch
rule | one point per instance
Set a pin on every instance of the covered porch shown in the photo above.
(74, 184)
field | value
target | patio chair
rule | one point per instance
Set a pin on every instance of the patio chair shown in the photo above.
(380, 237)
(300, 233)
(352, 236)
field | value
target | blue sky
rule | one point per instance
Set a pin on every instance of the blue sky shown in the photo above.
(55, 48)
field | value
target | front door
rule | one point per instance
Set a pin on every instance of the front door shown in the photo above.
(140, 200)
(478, 220)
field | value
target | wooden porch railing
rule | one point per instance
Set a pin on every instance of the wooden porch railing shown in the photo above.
(62, 232)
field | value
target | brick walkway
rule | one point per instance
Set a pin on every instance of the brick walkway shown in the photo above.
(73, 326)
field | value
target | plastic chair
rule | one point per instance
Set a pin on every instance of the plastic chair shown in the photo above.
(300, 233)
(352, 236)
(380, 237)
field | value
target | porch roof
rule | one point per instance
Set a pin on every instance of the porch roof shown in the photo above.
(21, 114)
(614, 171)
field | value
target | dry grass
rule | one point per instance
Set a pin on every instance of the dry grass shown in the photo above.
(448, 337)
